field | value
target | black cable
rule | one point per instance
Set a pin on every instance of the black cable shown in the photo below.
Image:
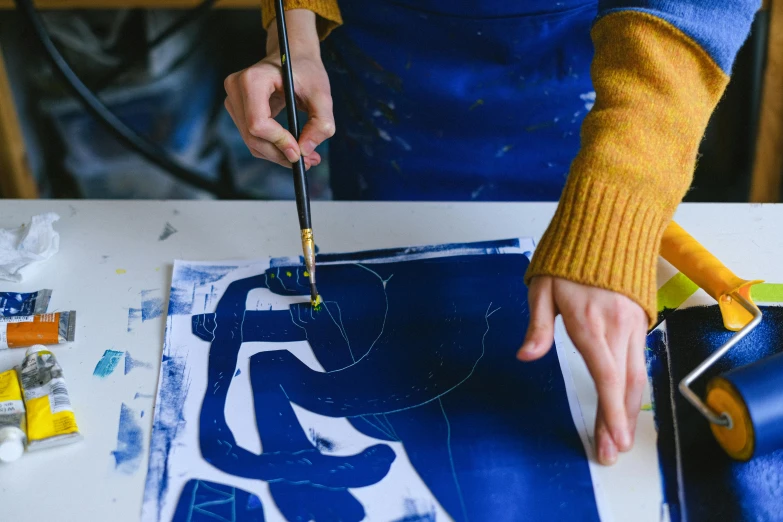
(191, 16)
(94, 106)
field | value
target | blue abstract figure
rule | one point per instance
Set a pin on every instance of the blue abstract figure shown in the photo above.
(700, 482)
(202, 501)
(418, 351)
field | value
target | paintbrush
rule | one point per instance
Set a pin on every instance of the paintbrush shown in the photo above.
(300, 174)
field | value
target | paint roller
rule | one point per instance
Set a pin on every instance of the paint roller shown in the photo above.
(745, 405)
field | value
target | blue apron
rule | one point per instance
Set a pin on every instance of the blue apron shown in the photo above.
(466, 100)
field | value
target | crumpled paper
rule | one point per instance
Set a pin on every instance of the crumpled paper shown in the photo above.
(28, 244)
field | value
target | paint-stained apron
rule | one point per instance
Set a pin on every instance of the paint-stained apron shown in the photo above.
(458, 100)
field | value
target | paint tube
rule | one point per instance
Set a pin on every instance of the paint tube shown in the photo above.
(50, 418)
(12, 417)
(32, 303)
(24, 331)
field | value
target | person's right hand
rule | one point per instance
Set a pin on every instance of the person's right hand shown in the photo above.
(256, 96)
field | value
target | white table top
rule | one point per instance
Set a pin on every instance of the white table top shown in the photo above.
(100, 240)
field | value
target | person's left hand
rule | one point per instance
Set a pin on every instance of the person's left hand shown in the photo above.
(609, 331)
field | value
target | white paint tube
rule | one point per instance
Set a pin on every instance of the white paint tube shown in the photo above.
(13, 435)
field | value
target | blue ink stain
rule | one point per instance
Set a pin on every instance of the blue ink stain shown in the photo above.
(108, 363)
(131, 363)
(185, 280)
(168, 420)
(168, 231)
(237, 372)
(134, 316)
(142, 414)
(202, 501)
(412, 513)
(451, 396)
(127, 456)
(151, 305)
(713, 486)
(143, 396)
(323, 444)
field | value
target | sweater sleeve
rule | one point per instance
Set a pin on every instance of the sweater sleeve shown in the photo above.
(659, 69)
(327, 13)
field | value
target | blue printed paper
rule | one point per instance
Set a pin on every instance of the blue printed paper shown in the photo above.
(398, 399)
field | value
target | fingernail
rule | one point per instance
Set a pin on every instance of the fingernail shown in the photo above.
(526, 349)
(308, 147)
(623, 439)
(607, 453)
(291, 155)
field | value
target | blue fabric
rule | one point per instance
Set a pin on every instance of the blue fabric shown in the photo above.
(432, 103)
(720, 27)
(478, 100)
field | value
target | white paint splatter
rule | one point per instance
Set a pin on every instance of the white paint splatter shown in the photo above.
(589, 99)
(404, 144)
(384, 135)
(502, 151)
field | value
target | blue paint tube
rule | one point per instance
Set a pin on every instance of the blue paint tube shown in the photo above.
(33, 303)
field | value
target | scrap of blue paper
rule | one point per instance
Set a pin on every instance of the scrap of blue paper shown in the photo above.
(416, 351)
(709, 485)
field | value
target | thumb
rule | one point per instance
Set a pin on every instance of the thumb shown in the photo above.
(320, 122)
(541, 329)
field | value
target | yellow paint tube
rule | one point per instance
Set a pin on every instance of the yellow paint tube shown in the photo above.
(12, 417)
(50, 418)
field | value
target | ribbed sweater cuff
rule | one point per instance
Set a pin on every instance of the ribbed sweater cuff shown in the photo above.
(327, 13)
(605, 236)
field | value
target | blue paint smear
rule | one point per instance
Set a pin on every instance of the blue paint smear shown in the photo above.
(321, 443)
(202, 501)
(20, 304)
(185, 280)
(237, 372)
(108, 363)
(412, 513)
(134, 316)
(421, 352)
(127, 456)
(131, 363)
(169, 419)
(713, 486)
(143, 396)
(151, 305)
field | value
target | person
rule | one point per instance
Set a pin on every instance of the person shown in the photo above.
(600, 104)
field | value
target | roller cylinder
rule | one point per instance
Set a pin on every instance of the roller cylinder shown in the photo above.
(753, 397)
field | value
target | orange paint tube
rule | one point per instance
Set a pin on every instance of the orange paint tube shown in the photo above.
(20, 332)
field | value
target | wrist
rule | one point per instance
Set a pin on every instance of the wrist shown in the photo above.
(303, 37)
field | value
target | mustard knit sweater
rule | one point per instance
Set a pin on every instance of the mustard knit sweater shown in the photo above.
(658, 77)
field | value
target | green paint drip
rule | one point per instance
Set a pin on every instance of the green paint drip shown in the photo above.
(767, 293)
(675, 291)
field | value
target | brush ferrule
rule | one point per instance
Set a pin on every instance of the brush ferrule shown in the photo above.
(308, 248)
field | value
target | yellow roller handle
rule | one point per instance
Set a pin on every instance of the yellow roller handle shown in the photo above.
(691, 258)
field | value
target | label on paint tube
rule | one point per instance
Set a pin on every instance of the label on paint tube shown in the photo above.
(50, 418)
(31, 303)
(23, 331)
